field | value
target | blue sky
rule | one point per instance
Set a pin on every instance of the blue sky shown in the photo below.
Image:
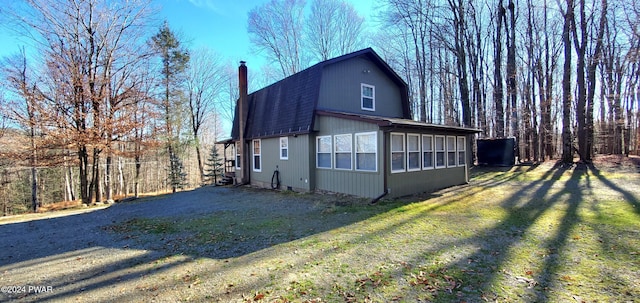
(220, 25)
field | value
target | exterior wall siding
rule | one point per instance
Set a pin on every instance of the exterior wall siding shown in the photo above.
(340, 89)
(294, 172)
(408, 183)
(352, 182)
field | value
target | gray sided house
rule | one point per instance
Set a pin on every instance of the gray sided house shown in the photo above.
(344, 125)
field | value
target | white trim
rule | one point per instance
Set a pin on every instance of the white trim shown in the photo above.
(254, 154)
(461, 148)
(403, 151)
(373, 97)
(443, 151)
(283, 147)
(375, 151)
(418, 150)
(424, 150)
(318, 138)
(336, 151)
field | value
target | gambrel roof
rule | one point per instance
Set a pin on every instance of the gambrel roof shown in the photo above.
(288, 106)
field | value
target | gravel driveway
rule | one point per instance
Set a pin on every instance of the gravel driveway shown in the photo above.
(78, 257)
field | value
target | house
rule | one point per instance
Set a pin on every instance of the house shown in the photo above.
(344, 125)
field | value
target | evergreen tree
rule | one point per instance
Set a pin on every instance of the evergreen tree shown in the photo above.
(215, 167)
(175, 60)
(177, 175)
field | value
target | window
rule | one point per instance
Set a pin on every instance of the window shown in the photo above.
(427, 151)
(237, 156)
(257, 155)
(368, 97)
(397, 153)
(342, 151)
(284, 148)
(323, 152)
(440, 151)
(451, 151)
(366, 151)
(462, 148)
(413, 152)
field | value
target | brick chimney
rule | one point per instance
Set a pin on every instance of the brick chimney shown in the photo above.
(243, 109)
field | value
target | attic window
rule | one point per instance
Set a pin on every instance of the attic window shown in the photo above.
(368, 97)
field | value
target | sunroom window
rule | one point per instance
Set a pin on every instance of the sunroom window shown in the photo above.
(427, 151)
(413, 152)
(397, 153)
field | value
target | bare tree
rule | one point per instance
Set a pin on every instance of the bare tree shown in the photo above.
(82, 44)
(25, 113)
(276, 28)
(333, 28)
(205, 81)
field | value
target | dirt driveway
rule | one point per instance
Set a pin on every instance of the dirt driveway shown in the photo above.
(82, 256)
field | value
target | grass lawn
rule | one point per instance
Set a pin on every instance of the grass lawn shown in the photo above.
(523, 234)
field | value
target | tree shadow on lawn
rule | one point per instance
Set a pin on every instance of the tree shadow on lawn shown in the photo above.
(629, 197)
(246, 227)
(478, 271)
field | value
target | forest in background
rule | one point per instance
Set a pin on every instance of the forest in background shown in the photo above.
(108, 102)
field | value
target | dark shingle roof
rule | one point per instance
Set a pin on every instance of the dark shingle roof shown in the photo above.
(288, 106)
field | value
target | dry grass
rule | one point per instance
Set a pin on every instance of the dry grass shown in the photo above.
(526, 234)
(541, 233)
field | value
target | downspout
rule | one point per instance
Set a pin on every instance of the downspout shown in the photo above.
(385, 161)
(243, 110)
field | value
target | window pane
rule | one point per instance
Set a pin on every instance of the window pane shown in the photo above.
(343, 160)
(461, 144)
(440, 159)
(343, 143)
(397, 161)
(427, 143)
(414, 160)
(324, 160)
(451, 143)
(367, 102)
(256, 162)
(256, 147)
(397, 143)
(461, 158)
(440, 143)
(284, 153)
(451, 158)
(413, 143)
(367, 91)
(366, 143)
(324, 144)
(366, 161)
(427, 161)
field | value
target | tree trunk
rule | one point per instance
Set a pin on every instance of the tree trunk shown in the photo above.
(567, 148)
(498, 91)
(511, 77)
(107, 176)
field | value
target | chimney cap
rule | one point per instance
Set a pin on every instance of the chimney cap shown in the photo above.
(243, 62)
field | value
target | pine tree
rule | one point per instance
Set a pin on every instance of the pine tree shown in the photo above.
(214, 166)
(177, 176)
